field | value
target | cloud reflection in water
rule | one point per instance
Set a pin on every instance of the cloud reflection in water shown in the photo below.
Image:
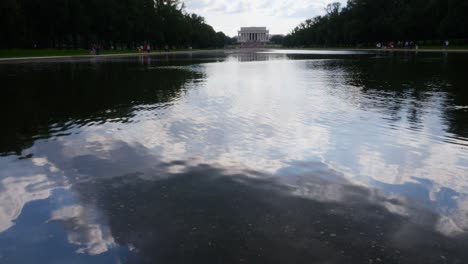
(333, 160)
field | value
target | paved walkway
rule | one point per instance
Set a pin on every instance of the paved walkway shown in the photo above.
(417, 50)
(26, 59)
(18, 59)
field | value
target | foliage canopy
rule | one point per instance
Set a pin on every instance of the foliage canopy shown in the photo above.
(370, 21)
(109, 23)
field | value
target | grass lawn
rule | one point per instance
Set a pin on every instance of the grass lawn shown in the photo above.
(353, 48)
(18, 53)
(464, 47)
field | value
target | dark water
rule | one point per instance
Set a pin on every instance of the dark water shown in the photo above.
(235, 158)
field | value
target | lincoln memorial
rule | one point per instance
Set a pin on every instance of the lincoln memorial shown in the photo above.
(253, 34)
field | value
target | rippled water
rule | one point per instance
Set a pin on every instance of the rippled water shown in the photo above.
(273, 157)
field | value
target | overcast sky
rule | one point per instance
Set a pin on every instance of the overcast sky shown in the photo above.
(280, 16)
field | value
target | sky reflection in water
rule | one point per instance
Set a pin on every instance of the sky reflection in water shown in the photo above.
(256, 157)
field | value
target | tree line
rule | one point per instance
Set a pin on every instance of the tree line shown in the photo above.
(366, 22)
(114, 24)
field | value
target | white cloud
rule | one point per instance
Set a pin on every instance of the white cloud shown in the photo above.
(280, 16)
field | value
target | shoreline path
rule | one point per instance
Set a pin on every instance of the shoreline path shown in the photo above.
(38, 58)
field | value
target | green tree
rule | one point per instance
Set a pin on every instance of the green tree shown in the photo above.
(367, 22)
(109, 23)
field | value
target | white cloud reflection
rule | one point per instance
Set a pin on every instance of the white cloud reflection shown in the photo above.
(21, 183)
(91, 237)
(16, 192)
(293, 116)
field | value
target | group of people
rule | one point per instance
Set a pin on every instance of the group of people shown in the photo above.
(147, 48)
(405, 45)
(398, 44)
(95, 49)
(144, 48)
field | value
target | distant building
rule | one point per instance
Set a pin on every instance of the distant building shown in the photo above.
(253, 34)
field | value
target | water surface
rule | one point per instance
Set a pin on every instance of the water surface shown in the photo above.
(275, 157)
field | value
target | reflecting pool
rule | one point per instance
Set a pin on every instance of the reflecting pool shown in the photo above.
(235, 157)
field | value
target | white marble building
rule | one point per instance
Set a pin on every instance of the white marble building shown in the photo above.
(253, 34)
